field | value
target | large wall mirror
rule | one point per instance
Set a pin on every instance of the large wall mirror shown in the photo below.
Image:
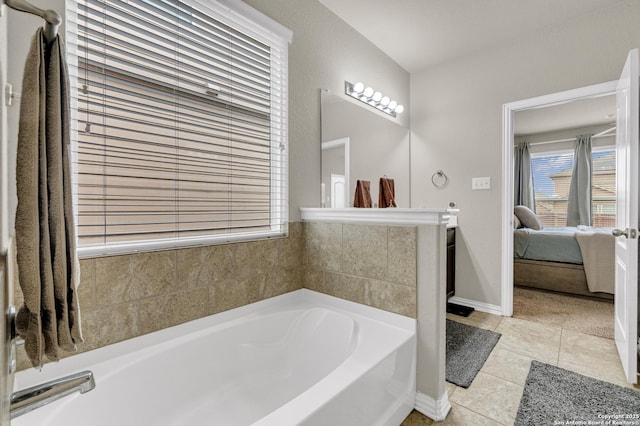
(359, 144)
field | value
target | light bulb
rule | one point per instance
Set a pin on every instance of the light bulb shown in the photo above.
(368, 92)
(393, 105)
(399, 109)
(358, 87)
(385, 101)
(377, 96)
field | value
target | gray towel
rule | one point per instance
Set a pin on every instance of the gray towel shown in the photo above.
(48, 269)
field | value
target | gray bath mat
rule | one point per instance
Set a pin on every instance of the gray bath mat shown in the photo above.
(468, 348)
(553, 395)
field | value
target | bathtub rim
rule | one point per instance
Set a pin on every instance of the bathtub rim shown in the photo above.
(177, 334)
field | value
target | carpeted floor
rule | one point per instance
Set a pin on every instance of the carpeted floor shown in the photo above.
(588, 316)
(554, 396)
(468, 348)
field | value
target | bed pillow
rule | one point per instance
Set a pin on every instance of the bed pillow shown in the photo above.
(528, 218)
(516, 222)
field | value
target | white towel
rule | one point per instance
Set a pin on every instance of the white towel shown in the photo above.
(598, 258)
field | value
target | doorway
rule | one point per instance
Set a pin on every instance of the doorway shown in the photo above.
(626, 91)
(554, 283)
(508, 137)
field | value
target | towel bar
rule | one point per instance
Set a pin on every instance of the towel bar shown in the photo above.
(51, 17)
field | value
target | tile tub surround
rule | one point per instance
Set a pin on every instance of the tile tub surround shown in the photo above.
(393, 259)
(367, 255)
(125, 296)
(373, 265)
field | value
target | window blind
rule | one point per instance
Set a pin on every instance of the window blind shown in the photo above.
(551, 182)
(181, 113)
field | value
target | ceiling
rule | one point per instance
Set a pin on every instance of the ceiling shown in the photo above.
(570, 115)
(420, 33)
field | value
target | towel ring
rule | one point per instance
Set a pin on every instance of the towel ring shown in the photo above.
(439, 179)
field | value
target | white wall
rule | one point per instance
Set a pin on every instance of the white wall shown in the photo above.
(4, 157)
(21, 27)
(324, 53)
(456, 123)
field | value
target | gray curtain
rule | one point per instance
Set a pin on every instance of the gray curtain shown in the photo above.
(579, 207)
(523, 187)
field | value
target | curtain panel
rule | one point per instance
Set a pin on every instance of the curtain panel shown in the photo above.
(579, 203)
(523, 187)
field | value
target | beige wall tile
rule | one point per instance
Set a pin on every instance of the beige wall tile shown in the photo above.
(234, 293)
(347, 287)
(124, 296)
(402, 255)
(324, 245)
(282, 281)
(397, 298)
(130, 277)
(22, 360)
(86, 288)
(156, 272)
(156, 313)
(296, 230)
(313, 279)
(102, 327)
(18, 298)
(365, 250)
(257, 257)
(203, 266)
(376, 264)
(115, 280)
(291, 252)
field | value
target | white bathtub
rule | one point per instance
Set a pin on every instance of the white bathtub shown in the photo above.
(300, 358)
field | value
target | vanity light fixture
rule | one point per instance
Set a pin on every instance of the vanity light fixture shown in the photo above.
(375, 99)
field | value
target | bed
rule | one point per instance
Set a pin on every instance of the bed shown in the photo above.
(576, 260)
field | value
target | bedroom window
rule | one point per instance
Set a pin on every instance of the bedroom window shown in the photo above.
(181, 123)
(551, 180)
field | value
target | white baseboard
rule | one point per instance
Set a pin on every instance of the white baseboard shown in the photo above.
(478, 306)
(435, 409)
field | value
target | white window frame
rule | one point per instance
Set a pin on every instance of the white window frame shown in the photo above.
(253, 23)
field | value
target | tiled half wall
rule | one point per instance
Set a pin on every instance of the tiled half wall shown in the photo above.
(125, 296)
(370, 264)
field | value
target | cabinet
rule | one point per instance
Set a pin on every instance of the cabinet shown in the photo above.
(451, 262)
(453, 308)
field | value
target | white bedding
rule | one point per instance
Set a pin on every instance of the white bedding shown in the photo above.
(598, 253)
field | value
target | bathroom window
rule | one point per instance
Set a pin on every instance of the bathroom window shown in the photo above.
(552, 178)
(181, 123)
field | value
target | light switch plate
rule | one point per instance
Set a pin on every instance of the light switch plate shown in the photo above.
(481, 183)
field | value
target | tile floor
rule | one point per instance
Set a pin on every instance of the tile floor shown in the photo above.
(494, 396)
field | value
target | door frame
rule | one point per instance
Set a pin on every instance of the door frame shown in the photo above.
(508, 116)
(346, 144)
